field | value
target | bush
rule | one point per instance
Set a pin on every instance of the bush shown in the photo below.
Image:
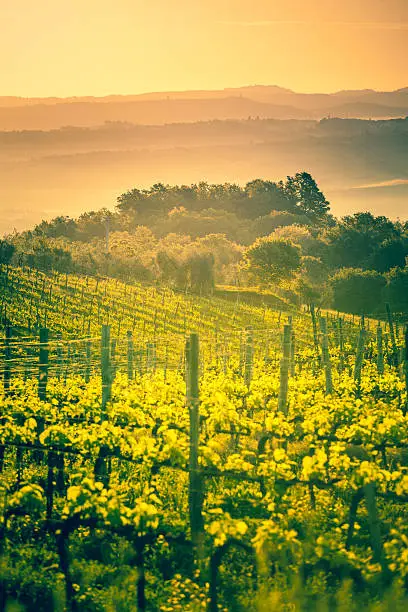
(270, 261)
(266, 224)
(357, 291)
(396, 292)
(6, 251)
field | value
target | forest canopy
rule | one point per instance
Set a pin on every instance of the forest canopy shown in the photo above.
(274, 236)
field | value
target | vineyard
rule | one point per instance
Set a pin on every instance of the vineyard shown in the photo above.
(163, 451)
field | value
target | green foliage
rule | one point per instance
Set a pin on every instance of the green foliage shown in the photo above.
(167, 234)
(286, 503)
(262, 226)
(390, 254)
(357, 291)
(46, 256)
(6, 251)
(396, 292)
(303, 191)
(367, 242)
(270, 260)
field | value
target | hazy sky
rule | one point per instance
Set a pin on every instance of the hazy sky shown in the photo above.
(97, 47)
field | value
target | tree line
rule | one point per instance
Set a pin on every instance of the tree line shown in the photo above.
(277, 236)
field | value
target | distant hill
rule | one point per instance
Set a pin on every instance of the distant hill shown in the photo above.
(67, 155)
(191, 106)
(67, 171)
(145, 112)
(367, 109)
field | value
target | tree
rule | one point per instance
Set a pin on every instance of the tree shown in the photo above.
(7, 250)
(263, 197)
(262, 226)
(270, 260)
(396, 292)
(390, 254)
(365, 241)
(200, 271)
(62, 226)
(303, 190)
(357, 291)
(171, 271)
(46, 256)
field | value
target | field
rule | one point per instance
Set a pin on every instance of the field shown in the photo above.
(163, 451)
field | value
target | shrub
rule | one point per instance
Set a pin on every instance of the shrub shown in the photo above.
(357, 291)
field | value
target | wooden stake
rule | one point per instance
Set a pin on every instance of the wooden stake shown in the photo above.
(106, 369)
(359, 357)
(43, 365)
(315, 336)
(326, 356)
(380, 350)
(392, 335)
(249, 352)
(292, 355)
(130, 352)
(341, 345)
(7, 359)
(284, 370)
(406, 366)
(87, 360)
(195, 479)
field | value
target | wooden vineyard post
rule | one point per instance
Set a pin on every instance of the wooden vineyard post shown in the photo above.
(113, 356)
(88, 361)
(241, 354)
(284, 370)
(341, 345)
(154, 359)
(130, 354)
(266, 358)
(101, 469)
(216, 344)
(59, 356)
(106, 369)
(406, 366)
(380, 350)
(249, 353)
(315, 336)
(195, 479)
(392, 335)
(7, 374)
(7, 359)
(42, 386)
(359, 357)
(375, 529)
(292, 355)
(166, 360)
(150, 356)
(43, 365)
(326, 356)
(67, 362)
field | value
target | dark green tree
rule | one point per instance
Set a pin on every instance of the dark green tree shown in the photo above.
(263, 197)
(364, 241)
(390, 254)
(7, 250)
(200, 271)
(396, 292)
(270, 261)
(303, 191)
(358, 291)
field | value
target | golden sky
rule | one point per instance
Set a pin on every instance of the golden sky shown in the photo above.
(98, 47)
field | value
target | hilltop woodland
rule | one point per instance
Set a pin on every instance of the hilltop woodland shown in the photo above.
(277, 237)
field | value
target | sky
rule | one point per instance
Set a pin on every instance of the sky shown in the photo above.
(100, 47)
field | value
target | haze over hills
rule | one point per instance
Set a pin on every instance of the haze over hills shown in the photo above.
(118, 142)
(171, 107)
